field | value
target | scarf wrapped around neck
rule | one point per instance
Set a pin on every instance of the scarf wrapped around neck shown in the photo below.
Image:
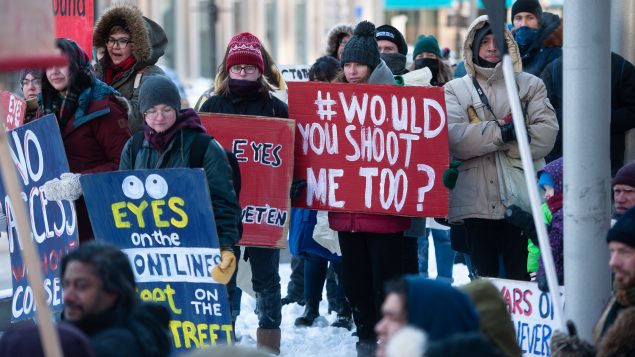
(113, 71)
(186, 119)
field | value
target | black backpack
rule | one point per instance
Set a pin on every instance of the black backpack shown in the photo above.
(197, 153)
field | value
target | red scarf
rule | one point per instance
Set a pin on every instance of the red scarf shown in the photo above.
(114, 72)
(554, 203)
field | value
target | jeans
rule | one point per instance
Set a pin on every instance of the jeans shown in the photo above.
(295, 289)
(443, 253)
(315, 270)
(266, 280)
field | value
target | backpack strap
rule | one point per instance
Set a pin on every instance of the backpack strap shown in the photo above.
(137, 78)
(470, 92)
(198, 148)
(135, 146)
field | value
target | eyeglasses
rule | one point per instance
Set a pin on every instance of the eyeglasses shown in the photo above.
(249, 69)
(35, 82)
(119, 42)
(153, 113)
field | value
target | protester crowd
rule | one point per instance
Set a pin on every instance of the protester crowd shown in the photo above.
(123, 113)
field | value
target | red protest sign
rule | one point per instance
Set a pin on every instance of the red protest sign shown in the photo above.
(12, 109)
(75, 20)
(264, 149)
(371, 148)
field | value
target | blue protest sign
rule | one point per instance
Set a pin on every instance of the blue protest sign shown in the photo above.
(163, 221)
(38, 154)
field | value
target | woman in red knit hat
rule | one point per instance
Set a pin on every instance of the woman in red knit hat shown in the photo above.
(244, 90)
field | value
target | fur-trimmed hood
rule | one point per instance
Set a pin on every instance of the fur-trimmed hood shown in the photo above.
(619, 339)
(148, 38)
(512, 47)
(334, 37)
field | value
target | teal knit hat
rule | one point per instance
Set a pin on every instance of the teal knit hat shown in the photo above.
(426, 44)
(362, 46)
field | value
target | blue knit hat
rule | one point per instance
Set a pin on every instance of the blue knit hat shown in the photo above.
(158, 89)
(362, 46)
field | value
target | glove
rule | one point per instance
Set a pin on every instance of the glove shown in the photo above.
(562, 345)
(222, 273)
(297, 187)
(451, 174)
(508, 133)
(67, 187)
(518, 218)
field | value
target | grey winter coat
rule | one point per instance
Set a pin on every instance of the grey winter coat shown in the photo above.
(483, 188)
(149, 41)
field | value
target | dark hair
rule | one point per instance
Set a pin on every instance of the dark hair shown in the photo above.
(398, 286)
(111, 266)
(325, 69)
(80, 70)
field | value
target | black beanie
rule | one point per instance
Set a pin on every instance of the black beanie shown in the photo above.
(624, 229)
(625, 175)
(362, 46)
(158, 89)
(531, 6)
(389, 33)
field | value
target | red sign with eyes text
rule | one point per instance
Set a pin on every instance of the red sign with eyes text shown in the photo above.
(263, 147)
(12, 109)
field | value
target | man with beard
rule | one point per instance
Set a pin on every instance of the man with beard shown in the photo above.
(614, 333)
(100, 299)
(392, 48)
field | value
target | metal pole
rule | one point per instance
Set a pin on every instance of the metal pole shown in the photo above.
(532, 188)
(586, 115)
(623, 43)
(213, 18)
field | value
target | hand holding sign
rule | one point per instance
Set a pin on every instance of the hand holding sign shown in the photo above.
(223, 272)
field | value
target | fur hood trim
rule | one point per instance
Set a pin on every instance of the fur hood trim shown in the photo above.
(332, 43)
(148, 38)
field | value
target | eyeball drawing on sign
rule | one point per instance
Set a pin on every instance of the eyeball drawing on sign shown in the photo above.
(132, 187)
(155, 185)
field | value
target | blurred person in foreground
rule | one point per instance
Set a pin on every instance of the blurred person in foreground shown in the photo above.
(100, 298)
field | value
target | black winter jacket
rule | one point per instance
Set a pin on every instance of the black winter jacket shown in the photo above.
(622, 105)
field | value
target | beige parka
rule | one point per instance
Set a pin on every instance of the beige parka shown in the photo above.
(490, 177)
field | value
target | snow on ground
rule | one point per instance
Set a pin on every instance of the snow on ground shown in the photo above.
(320, 339)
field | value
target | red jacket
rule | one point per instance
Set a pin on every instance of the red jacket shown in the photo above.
(367, 223)
(93, 142)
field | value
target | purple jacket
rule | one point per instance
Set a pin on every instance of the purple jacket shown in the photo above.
(555, 229)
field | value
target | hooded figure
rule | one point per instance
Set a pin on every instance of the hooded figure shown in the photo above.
(126, 66)
(91, 116)
(336, 40)
(489, 179)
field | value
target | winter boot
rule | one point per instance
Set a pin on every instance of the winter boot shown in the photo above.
(311, 312)
(344, 318)
(268, 339)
